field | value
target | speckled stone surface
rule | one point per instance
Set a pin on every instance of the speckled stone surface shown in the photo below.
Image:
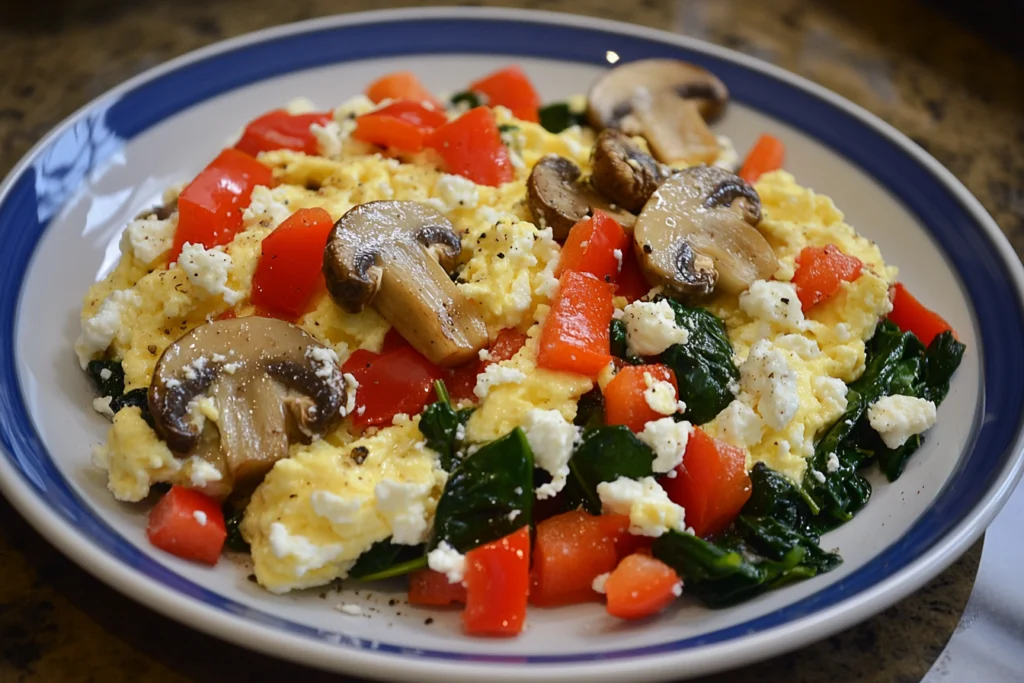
(945, 86)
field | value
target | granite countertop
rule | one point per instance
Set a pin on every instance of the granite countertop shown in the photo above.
(948, 88)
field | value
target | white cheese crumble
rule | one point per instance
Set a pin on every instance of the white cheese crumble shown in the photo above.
(802, 346)
(818, 476)
(455, 192)
(618, 260)
(551, 439)
(773, 302)
(484, 355)
(300, 105)
(660, 395)
(727, 158)
(830, 393)
(349, 609)
(404, 507)
(99, 331)
(494, 375)
(897, 418)
(347, 111)
(201, 472)
(323, 360)
(101, 405)
(351, 387)
(651, 328)
(677, 589)
(208, 269)
(199, 516)
(308, 556)
(832, 465)
(446, 560)
(150, 238)
(106, 374)
(667, 438)
(334, 508)
(599, 581)
(329, 138)
(650, 511)
(768, 378)
(267, 207)
(739, 425)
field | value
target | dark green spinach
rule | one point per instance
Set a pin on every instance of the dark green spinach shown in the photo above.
(470, 99)
(440, 425)
(590, 409)
(617, 339)
(233, 523)
(558, 116)
(703, 365)
(107, 376)
(605, 454)
(488, 495)
(138, 398)
(385, 560)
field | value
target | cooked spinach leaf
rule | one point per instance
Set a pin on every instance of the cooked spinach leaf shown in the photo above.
(233, 523)
(617, 339)
(467, 97)
(488, 495)
(136, 397)
(703, 365)
(507, 128)
(590, 409)
(940, 362)
(605, 454)
(440, 423)
(558, 116)
(107, 376)
(384, 560)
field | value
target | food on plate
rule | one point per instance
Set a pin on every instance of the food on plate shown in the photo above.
(510, 353)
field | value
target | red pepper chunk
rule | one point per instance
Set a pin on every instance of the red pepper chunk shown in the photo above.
(711, 483)
(210, 207)
(624, 401)
(288, 272)
(430, 588)
(497, 584)
(403, 125)
(401, 85)
(631, 281)
(188, 524)
(571, 550)
(280, 130)
(512, 89)
(462, 380)
(400, 381)
(591, 247)
(471, 147)
(641, 586)
(766, 155)
(575, 335)
(910, 315)
(820, 271)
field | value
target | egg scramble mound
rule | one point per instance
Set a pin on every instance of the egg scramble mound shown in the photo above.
(320, 508)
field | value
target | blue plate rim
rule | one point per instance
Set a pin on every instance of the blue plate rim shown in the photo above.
(657, 664)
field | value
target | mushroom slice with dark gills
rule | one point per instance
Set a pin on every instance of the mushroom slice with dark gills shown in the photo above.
(558, 199)
(396, 256)
(270, 384)
(696, 234)
(623, 173)
(667, 101)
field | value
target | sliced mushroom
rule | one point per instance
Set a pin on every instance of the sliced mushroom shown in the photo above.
(558, 199)
(666, 101)
(396, 257)
(696, 234)
(623, 173)
(270, 384)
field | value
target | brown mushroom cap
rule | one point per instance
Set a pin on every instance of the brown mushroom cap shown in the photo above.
(395, 256)
(558, 199)
(623, 173)
(696, 234)
(665, 100)
(270, 381)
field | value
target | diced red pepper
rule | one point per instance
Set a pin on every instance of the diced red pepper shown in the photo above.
(497, 586)
(711, 483)
(210, 207)
(471, 147)
(400, 381)
(910, 315)
(461, 381)
(641, 586)
(403, 125)
(401, 85)
(624, 401)
(188, 524)
(766, 155)
(506, 345)
(616, 527)
(591, 248)
(575, 335)
(510, 88)
(280, 130)
(427, 587)
(820, 271)
(570, 550)
(631, 283)
(289, 271)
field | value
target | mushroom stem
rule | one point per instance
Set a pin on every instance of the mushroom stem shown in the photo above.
(439, 322)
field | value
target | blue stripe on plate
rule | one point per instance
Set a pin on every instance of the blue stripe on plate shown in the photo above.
(58, 169)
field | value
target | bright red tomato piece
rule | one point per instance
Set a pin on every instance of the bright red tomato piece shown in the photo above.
(188, 524)
(570, 550)
(512, 89)
(430, 588)
(497, 586)
(210, 207)
(471, 147)
(403, 125)
(400, 381)
(641, 586)
(596, 245)
(280, 130)
(631, 281)
(289, 272)
(575, 334)
(401, 85)
(910, 315)
(820, 271)
(624, 401)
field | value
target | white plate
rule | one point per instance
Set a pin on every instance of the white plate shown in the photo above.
(64, 205)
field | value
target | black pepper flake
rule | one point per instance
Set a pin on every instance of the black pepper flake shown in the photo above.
(607, 278)
(392, 602)
(359, 454)
(785, 300)
(252, 577)
(648, 249)
(152, 349)
(428, 621)
(501, 255)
